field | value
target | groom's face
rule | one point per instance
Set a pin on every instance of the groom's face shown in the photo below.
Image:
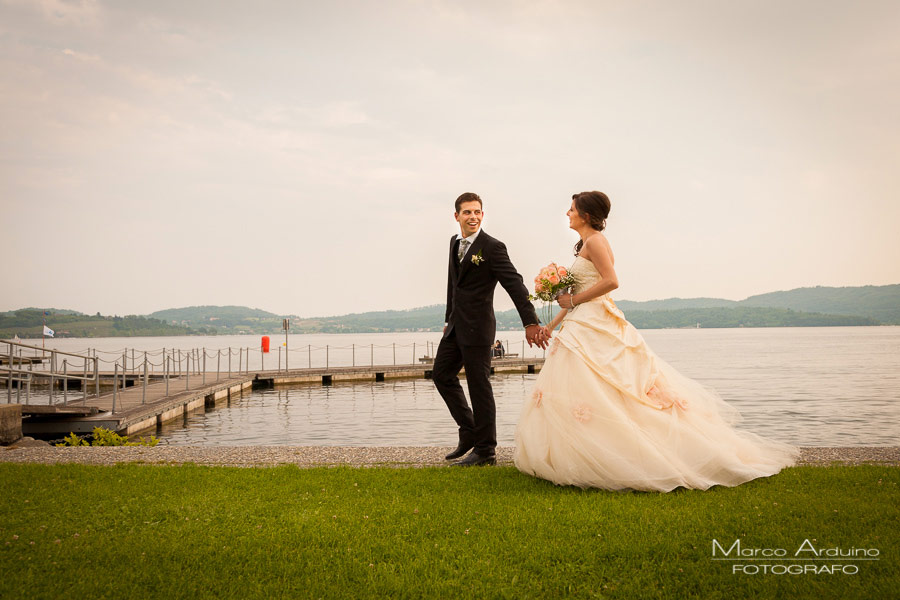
(469, 217)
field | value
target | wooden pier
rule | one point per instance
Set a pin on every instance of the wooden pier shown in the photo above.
(139, 409)
(23, 360)
(327, 376)
(135, 411)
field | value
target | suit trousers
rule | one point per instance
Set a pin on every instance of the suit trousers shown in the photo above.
(478, 424)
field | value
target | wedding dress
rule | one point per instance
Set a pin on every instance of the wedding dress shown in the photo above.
(606, 412)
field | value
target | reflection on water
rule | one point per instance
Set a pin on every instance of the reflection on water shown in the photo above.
(809, 386)
(393, 413)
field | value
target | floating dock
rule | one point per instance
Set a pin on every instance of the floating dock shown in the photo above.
(327, 376)
(141, 408)
(136, 409)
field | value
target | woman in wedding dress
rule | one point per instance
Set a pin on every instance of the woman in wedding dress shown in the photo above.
(606, 412)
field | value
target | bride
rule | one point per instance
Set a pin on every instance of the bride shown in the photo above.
(606, 412)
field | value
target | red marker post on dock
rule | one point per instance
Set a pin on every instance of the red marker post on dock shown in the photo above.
(264, 349)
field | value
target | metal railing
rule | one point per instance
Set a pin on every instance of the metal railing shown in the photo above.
(174, 361)
(22, 364)
(17, 366)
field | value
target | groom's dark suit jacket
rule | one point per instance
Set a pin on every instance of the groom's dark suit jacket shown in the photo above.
(470, 291)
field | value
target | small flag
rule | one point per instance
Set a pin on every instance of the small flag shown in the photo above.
(48, 332)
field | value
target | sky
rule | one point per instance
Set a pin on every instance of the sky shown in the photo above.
(303, 157)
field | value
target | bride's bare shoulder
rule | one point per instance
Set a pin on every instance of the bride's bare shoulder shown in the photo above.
(598, 241)
(598, 244)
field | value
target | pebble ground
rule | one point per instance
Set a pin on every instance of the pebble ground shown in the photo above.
(357, 456)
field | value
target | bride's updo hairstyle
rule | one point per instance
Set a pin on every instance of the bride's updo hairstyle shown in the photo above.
(593, 207)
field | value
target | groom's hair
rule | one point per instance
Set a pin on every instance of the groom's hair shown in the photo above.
(468, 197)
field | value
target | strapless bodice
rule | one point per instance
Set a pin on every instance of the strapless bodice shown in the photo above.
(585, 273)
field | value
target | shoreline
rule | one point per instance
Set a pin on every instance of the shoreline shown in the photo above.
(224, 334)
(354, 456)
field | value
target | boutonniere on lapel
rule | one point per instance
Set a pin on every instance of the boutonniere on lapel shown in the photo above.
(477, 259)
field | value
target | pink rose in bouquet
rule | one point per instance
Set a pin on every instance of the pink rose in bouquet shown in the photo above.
(550, 282)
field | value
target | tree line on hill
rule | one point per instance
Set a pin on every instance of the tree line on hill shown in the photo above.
(29, 324)
(803, 307)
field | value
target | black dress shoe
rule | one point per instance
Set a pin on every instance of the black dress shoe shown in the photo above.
(474, 460)
(460, 451)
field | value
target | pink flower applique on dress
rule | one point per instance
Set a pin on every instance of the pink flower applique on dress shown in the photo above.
(582, 413)
(665, 400)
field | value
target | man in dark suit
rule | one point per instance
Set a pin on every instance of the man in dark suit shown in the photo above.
(477, 263)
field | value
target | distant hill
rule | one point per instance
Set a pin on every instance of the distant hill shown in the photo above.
(204, 313)
(28, 323)
(881, 303)
(240, 319)
(52, 311)
(425, 318)
(742, 316)
(224, 319)
(818, 306)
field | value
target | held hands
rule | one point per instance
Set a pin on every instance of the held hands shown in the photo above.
(546, 332)
(537, 336)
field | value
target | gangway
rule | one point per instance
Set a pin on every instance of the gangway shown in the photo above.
(23, 364)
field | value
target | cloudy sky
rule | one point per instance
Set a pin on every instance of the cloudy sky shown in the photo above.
(303, 157)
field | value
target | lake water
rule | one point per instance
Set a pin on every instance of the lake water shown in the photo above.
(822, 386)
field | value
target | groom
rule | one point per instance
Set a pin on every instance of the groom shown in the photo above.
(477, 263)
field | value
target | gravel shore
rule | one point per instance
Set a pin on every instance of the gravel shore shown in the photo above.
(310, 456)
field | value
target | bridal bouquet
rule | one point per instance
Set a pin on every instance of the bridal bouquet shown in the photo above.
(552, 281)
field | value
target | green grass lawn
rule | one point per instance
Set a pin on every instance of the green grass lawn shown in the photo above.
(142, 531)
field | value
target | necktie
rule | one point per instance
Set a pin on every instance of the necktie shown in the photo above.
(463, 246)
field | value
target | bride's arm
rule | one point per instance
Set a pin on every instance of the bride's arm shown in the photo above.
(596, 251)
(557, 319)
